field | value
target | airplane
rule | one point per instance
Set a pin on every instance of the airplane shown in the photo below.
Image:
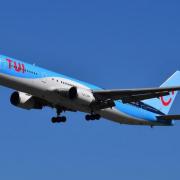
(35, 88)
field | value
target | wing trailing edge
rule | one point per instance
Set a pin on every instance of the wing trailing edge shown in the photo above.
(169, 117)
(133, 95)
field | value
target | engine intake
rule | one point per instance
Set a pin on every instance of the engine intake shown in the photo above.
(15, 99)
(73, 93)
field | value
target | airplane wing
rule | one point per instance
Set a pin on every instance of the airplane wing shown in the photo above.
(134, 95)
(169, 117)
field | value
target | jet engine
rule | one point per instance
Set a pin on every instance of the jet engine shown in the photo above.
(25, 101)
(83, 96)
(80, 95)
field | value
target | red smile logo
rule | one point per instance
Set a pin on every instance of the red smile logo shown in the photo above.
(166, 102)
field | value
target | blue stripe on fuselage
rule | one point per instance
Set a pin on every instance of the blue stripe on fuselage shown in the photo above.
(41, 73)
(135, 111)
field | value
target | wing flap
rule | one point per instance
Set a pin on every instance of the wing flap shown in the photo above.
(135, 98)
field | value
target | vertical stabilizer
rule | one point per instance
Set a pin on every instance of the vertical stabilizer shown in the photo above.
(164, 104)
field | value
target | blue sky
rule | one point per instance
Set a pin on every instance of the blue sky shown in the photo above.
(113, 44)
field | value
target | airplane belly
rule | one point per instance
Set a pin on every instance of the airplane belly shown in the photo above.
(27, 85)
(19, 84)
(115, 115)
(40, 87)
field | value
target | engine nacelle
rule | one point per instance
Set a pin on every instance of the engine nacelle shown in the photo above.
(82, 96)
(25, 101)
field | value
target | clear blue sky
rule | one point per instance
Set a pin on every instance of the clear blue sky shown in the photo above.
(114, 44)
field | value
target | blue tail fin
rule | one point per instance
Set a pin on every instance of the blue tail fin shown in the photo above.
(164, 104)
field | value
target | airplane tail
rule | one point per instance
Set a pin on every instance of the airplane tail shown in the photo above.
(164, 104)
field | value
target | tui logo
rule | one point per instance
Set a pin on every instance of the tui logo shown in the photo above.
(18, 67)
(168, 101)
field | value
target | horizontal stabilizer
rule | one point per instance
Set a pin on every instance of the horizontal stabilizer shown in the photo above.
(169, 117)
